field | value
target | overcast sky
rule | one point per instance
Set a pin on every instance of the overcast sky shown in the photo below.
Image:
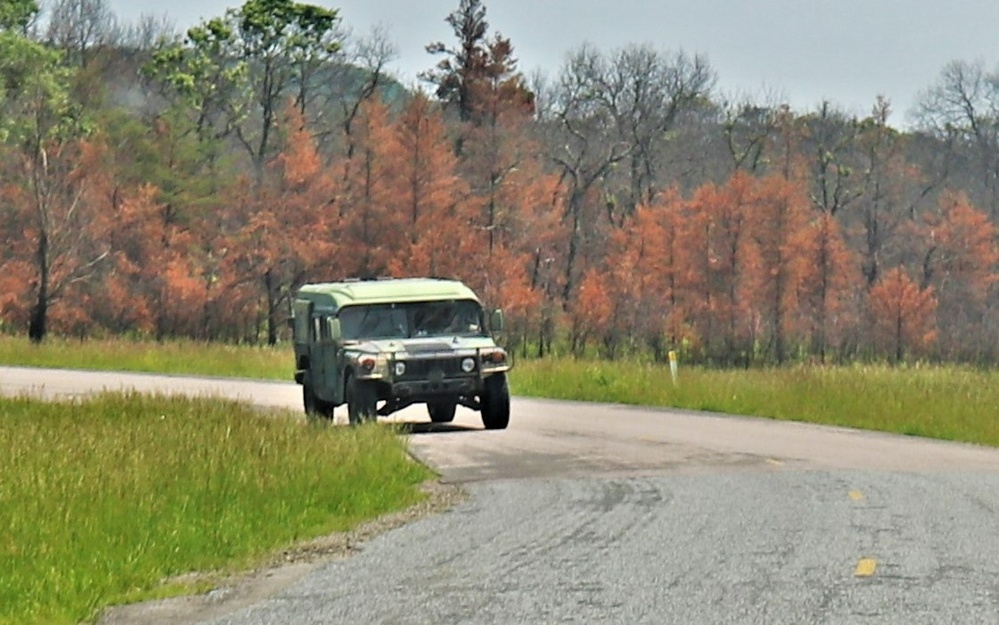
(847, 52)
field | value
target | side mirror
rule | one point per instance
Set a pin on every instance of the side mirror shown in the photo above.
(496, 322)
(334, 327)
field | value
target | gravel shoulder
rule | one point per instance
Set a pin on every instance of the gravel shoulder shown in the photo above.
(235, 591)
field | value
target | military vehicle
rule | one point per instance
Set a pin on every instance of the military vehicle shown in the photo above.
(379, 346)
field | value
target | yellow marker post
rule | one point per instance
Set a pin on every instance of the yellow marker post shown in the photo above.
(673, 364)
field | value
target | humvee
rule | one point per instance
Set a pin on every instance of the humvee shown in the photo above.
(382, 345)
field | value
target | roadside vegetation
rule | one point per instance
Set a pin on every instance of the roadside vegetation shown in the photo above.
(181, 357)
(947, 402)
(950, 402)
(102, 500)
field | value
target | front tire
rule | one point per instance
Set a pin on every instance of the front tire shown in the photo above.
(496, 402)
(361, 401)
(441, 411)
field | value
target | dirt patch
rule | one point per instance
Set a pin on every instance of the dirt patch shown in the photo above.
(234, 592)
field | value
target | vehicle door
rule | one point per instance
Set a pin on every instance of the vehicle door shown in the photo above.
(328, 359)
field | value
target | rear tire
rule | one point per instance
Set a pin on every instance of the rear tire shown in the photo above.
(496, 402)
(441, 411)
(315, 407)
(309, 400)
(361, 401)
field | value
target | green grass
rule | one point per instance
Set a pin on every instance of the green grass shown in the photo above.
(946, 402)
(101, 500)
(176, 357)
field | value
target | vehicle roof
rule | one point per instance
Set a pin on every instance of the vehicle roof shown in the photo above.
(385, 291)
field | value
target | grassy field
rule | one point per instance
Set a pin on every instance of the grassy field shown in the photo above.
(946, 402)
(103, 499)
(179, 357)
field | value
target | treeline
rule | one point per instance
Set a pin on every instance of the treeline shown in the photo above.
(167, 186)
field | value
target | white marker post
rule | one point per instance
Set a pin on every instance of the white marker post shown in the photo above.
(673, 366)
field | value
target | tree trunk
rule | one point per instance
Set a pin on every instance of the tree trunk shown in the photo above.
(39, 312)
(272, 308)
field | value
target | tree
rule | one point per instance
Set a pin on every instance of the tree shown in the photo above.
(717, 257)
(77, 27)
(960, 261)
(746, 127)
(477, 68)
(267, 250)
(963, 107)
(253, 57)
(776, 215)
(583, 147)
(371, 54)
(903, 315)
(373, 223)
(41, 127)
(883, 206)
(17, 15)
(430, 194)
(827, 285)
(832, 136)
(646, 92)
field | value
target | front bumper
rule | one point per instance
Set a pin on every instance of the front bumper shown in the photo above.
(417, 389)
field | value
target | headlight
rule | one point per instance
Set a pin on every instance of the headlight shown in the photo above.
(400, 369)
(494, 357)
(468, 365)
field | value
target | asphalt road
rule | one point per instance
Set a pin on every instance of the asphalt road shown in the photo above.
(599, 513)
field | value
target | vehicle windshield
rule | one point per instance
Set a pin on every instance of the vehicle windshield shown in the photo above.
(401, 321)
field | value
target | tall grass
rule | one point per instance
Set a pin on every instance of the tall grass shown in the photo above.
(176, 356)
(102, 499)
(946, 402)
(949, 402)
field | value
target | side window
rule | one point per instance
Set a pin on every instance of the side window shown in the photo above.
(303, 321)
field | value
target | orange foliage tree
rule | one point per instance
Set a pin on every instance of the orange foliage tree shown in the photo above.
(61, 232)
(286, 232)
(372, 225)
(960, 262)
(828, 281)
(717, 238)
(644, 281)
(776, 215)
(430, 194)
(903, 315)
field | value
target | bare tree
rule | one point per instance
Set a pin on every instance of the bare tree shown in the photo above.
(584, 145)
(962, 107)
(645, 92)
(367, 57)
(79, 26)
(832, 136)
(747, 126)
(145, 33)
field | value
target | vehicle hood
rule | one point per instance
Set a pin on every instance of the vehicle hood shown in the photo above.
(423, 345)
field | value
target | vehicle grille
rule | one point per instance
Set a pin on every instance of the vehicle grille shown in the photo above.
(420, 369)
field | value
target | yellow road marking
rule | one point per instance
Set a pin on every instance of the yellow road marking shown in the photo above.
(775, 462)
(866, 567)
(856, 495)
